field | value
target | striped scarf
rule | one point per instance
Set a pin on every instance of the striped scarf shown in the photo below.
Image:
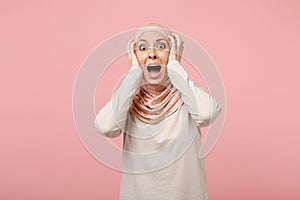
(153, 103)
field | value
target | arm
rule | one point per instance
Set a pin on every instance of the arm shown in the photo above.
(202, 107)
(111, 119)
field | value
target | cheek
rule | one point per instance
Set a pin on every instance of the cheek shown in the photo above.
(141, 57)
(164, 55)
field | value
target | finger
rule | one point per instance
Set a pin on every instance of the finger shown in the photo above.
(129, 57)
(181, 50)
(173, 44)
(129, 51)
(172, 55)
(132, 55)
(130, 46)
(179, 45)
(177, 39)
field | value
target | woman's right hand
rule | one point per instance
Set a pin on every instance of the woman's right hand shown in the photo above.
(131, 55)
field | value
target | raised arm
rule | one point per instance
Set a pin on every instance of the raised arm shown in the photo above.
(203, 107)
(111, 119)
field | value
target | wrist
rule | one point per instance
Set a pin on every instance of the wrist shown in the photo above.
(172, 63)
(175, 69)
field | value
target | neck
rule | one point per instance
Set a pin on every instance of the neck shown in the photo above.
(157, 88)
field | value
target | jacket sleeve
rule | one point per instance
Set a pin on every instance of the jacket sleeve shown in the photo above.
(111, 119)
(202, 107)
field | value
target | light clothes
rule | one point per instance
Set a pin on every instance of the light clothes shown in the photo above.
(165, 157)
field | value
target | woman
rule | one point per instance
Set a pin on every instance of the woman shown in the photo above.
(160, 113)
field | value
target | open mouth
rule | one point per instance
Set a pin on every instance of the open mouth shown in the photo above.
(153, 68)
(154, 71)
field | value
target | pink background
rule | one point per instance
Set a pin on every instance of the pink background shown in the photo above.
(255, 45)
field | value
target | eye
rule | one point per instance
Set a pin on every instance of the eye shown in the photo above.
(161, 46)
(142, 47)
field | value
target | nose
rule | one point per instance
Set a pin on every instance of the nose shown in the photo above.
(152, 54)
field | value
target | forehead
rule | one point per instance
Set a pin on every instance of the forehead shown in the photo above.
(152, 36)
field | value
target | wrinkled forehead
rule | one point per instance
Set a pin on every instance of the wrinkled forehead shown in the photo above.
(152, 37)
(151, 33)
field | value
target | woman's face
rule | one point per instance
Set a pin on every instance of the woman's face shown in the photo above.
(152, 51)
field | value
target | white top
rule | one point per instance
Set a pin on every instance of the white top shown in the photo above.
(160, 161)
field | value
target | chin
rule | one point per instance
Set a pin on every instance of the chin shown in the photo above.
(154, 82)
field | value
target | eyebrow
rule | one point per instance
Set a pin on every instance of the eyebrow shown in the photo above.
(161, 39)
(142, 40)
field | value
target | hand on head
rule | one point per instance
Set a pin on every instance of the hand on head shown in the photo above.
(176, 47)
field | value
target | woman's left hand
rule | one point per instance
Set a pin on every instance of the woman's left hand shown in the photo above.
(176, 47)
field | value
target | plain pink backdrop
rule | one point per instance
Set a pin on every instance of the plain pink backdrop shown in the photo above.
(255, 45)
